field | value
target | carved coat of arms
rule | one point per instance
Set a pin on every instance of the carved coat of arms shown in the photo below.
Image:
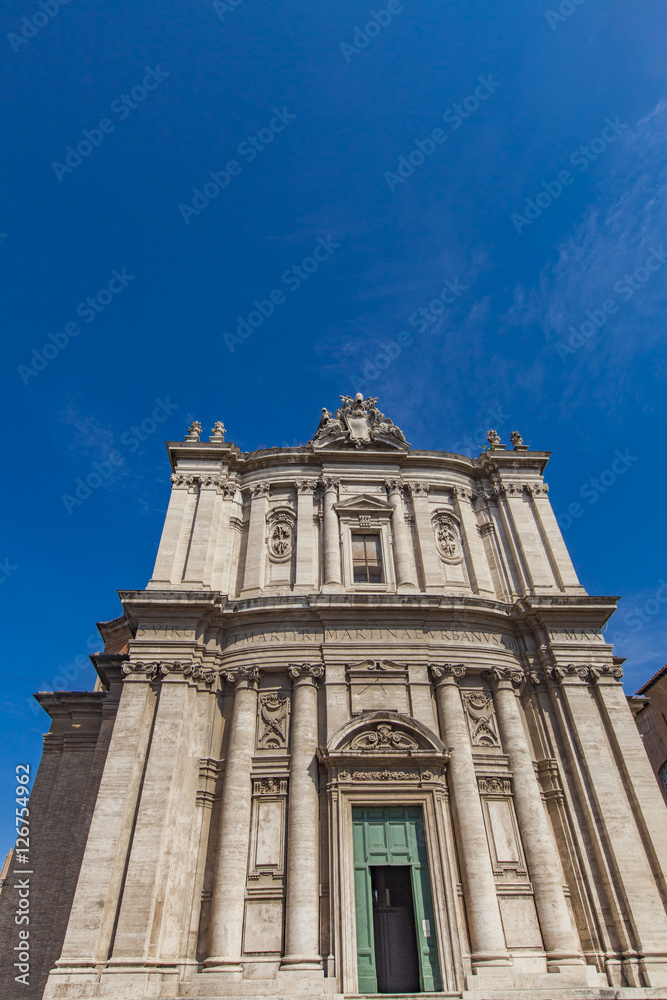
(359, 423)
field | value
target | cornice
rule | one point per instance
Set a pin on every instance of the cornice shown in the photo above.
(231, 458)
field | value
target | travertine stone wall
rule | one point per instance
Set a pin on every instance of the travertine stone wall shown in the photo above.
(266, 694)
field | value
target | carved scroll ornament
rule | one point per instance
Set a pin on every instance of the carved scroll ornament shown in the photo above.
(384, 739)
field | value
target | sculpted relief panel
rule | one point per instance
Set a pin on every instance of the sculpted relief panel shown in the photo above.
(481, 719)
(272, 721)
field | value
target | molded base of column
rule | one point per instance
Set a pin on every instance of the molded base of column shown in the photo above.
(491, 959)
(297, 963)
(228, 966)
(567, 959)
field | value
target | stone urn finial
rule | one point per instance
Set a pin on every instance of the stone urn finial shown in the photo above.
(493, 437)
(217, 432)
(194, 432)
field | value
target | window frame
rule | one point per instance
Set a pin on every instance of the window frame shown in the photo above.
(364, 532)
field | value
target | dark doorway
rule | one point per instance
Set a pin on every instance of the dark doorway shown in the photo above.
(396, 957)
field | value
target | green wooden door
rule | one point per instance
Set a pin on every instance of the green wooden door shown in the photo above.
(393, 836)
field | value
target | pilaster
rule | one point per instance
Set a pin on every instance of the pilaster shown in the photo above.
(305, 536)
(405, 568)
(430, 561)
(255, 554)
(478, 567)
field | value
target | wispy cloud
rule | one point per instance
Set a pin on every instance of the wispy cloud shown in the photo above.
(614, 238)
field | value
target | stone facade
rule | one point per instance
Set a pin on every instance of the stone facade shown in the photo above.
(357, 660)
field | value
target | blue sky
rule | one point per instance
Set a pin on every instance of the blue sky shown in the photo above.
(541, 201)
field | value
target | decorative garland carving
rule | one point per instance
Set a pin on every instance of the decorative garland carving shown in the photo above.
(384, 739)
(387, 775)
(448, 538)
(494, 786)
(481, 719)
(281, 535)
(272, 732)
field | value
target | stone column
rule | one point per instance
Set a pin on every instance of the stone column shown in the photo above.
(228, 903)
(255, 552)
(561, 943)
(302, 902)
(405, 569)
(478, 566)
(332, 574)
(305, 537)
(431, 565)
(479, 888)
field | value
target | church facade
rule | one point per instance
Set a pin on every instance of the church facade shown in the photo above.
(364, 735)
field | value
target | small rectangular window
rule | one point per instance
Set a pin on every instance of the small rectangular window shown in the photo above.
(366, 559)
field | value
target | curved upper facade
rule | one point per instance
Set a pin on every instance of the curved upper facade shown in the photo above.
(358, 510)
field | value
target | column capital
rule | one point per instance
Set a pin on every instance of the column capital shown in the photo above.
(243, 675)
(537, 490)
(330, 483)
(312, 671)
(260, 490)
(141, 670)
(306, 485)
(503, 676)
(228, 490)
(582, 673)
(211, 481)
(419, 489)
(394, 486)
(444, 673)
(181, 481)
(189, 671)
(460, 493)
